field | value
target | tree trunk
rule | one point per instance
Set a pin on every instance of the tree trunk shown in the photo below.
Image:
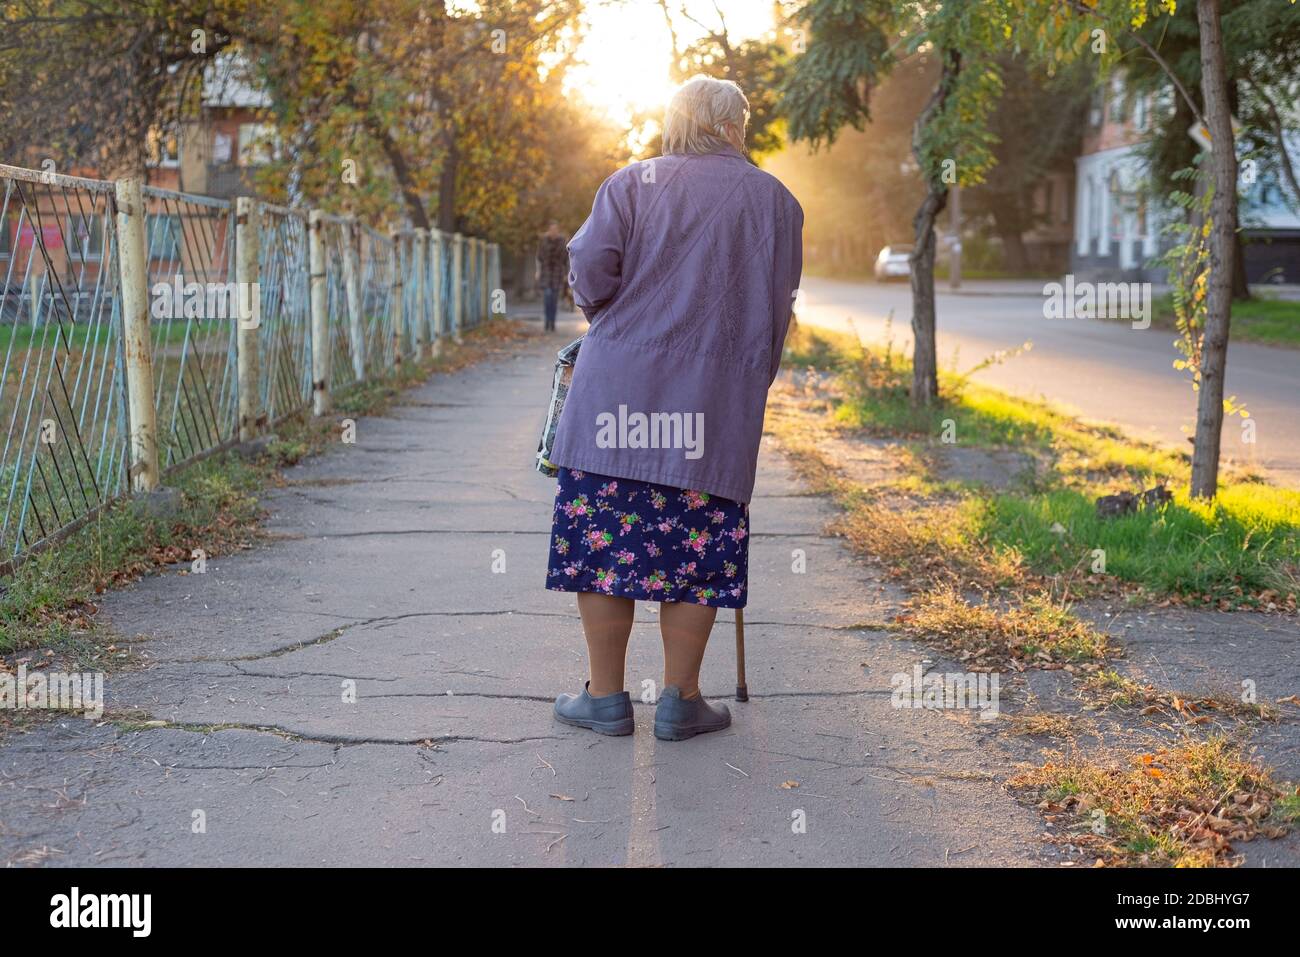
(1015, 257)
(402, 173)
(1240, 288)
(925, 365)
(401, 169)
(1223, 229)
(447, 185)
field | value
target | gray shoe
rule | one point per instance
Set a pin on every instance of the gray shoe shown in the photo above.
(678, 718)
(608, 714)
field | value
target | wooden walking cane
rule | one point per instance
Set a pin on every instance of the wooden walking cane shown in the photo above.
(742, 690)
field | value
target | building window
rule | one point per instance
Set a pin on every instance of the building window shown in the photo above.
(1118, 102)
(86, 236)
(223, 148)
(6, 237)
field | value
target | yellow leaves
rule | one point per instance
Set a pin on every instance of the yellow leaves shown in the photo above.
(1139, 11)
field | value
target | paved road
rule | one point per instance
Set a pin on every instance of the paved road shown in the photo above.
(1103, 370)
(381, 573)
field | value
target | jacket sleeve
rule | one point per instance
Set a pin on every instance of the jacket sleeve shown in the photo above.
(596, 251)
(785, 280)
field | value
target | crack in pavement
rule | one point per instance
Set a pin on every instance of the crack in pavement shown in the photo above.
(246, 767)
(354, 622)
(336, 633)
(340, 741)
(546, 698)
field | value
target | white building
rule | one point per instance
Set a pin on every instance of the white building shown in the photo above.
(1119, 220)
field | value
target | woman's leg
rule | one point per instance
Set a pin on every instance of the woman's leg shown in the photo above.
(685, 628)
(607, 623)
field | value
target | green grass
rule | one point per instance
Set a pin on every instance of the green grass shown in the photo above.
(1238, 548)
(1287, 808)
(82, 334)
(1267, 320)
(1261, 319)
(1244, 543)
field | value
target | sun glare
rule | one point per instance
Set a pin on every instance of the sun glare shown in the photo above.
(625, 57)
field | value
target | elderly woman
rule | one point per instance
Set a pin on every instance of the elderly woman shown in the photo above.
(686, 270)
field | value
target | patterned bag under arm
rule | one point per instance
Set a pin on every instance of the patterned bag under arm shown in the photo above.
(564, 361)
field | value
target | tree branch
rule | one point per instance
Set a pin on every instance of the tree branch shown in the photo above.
(1160, 61)
(1284, 158)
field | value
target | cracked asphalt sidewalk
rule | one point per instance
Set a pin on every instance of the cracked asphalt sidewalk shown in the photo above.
(379, 570)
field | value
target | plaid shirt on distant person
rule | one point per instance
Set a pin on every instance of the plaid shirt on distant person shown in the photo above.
(553, 262)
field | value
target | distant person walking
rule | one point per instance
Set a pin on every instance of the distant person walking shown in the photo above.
(552, 271)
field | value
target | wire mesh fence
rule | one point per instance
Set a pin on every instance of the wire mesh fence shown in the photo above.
(190, 252)
(64, 451)
(78, 432)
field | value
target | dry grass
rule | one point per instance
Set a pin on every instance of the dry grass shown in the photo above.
(1046, 724)
(921, 540)
(1038, 633)
(1109, 689)
(929, 544)
(1186, 805)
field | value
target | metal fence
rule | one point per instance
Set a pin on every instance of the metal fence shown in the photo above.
(141, 328)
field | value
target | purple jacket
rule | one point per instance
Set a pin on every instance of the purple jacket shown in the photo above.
(687, 269)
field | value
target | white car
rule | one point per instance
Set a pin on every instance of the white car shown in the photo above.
(892, 263)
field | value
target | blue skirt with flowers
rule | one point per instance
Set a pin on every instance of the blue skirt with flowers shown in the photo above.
(646, 541)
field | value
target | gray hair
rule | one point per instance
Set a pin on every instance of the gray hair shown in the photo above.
(697, 113)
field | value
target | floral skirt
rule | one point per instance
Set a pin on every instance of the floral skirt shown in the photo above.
(649, 542)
